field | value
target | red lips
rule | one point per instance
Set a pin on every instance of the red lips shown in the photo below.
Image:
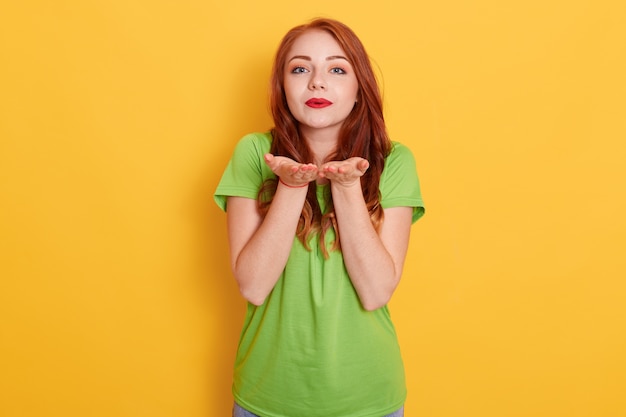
(318, 103)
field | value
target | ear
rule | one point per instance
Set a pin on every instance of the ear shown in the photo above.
(358, 96)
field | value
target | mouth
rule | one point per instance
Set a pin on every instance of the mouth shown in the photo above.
(318, 103)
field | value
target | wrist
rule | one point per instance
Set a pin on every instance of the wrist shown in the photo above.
(292, 186)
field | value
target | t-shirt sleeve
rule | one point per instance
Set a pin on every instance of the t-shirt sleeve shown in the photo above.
(399, 184)
(245, 171)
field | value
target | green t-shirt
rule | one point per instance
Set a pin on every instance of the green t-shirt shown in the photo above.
(311, 350)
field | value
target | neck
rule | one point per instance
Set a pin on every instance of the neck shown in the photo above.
(322, 142)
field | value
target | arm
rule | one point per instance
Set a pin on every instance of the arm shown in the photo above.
(260, 246)
(374, 260)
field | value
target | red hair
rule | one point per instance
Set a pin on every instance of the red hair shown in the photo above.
(363, 133)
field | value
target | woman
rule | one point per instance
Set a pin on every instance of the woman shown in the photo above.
(319, 212)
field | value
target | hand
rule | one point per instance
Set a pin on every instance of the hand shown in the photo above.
(345, 173)
(292, 173)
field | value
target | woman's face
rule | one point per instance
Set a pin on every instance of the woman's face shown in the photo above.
(320, 84)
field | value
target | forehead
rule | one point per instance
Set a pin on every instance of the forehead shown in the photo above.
(315, 43)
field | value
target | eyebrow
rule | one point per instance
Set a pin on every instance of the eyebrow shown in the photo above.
(328, 58)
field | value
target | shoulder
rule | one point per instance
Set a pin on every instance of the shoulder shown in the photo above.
(399, 159)
(257, 141)
(246, 169)
(399, 151)
(399, 184)
(251, 148)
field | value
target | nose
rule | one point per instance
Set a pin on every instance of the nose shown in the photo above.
(317, 83)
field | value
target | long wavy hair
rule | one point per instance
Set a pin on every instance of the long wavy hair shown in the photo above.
(362, 134)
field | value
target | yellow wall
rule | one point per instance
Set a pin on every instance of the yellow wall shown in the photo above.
(117, 118)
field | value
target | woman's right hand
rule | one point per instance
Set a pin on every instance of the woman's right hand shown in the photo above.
(260, 244)
(290, 172)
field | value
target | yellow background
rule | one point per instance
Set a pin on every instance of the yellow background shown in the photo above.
(117, 118)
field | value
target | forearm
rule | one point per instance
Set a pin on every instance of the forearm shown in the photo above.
(261, 261)
(370, 266)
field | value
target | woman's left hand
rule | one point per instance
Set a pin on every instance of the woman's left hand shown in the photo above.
(345, 173)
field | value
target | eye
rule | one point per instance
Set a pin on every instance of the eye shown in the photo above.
(337, 70)
(298, 70)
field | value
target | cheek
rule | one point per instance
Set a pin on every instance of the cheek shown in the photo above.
(291, 101)
(291, 91)
(292, 105)
(352, 95)
(288, 92)
(355, 89)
